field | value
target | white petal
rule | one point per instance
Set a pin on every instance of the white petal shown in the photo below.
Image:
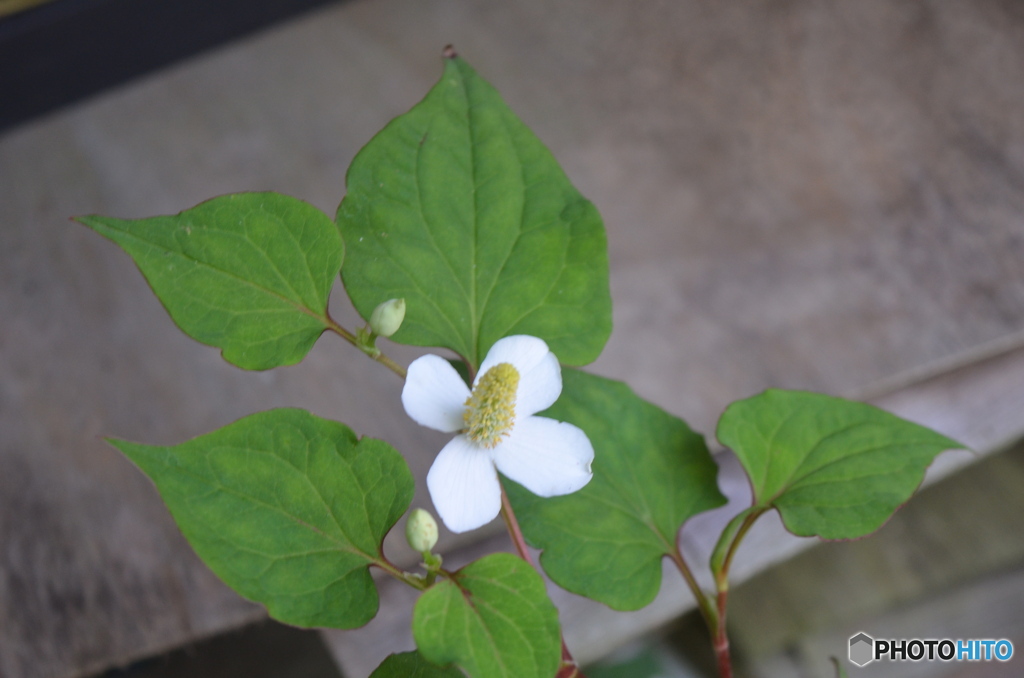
(547, 457)
(540, 387)
(464, 486)
(434, 394)
(522, 350)
(540, 377)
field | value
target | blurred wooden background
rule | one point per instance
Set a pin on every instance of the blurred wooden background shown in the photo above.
(811, 195)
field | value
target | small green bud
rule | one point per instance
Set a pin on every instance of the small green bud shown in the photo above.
(387, 318)
(421, 531)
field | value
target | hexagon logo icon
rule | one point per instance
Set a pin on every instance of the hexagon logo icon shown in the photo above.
(862, 648)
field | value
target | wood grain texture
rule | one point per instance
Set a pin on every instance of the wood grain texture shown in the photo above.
(801, 195)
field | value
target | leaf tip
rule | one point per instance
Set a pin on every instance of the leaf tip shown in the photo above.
(117, 443)
(449, 52)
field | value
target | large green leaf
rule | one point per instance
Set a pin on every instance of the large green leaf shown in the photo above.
(493, 618)
(248, 273)
(288, 509)
(651, 473)
(833, 468)
(459, 209)
(412, 665)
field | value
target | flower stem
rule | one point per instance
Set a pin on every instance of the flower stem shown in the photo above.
(513, 529)
(568, 668)
(352, 339)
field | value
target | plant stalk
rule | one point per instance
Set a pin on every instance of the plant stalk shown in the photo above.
(513, 529)
(720, 639)
(352, 339)
(719, 634)
(412, 580)
(707, 610)
(568, 669)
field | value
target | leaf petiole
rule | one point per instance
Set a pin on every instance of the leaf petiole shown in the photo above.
(729, 542)
(704, 600)
(357, 341)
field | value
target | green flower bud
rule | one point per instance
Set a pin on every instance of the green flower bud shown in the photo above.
(421, 531)
(387, 318)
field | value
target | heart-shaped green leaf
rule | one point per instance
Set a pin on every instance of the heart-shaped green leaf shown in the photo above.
(459, 209)
(493, 618)
(248, 273)
(833, 468)
(290, 510)
(412, 665)
(651, 474)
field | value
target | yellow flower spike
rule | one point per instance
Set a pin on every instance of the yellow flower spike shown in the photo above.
(490, 409)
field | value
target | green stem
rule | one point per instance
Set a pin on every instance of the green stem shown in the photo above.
(352, 339)
(416, 581)
(707, 611)
(721, 569)
(410, 579)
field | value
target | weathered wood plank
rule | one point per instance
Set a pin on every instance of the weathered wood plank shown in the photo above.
(797, 194)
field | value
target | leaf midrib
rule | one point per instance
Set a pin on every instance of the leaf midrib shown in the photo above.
(298, 305)
(216, 485)
(477, 358)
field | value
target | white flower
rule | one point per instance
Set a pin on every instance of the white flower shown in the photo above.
(519, 376)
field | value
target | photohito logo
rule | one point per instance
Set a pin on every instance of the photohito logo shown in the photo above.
(864, 649)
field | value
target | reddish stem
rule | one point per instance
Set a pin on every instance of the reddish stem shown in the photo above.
(568, 669)
(721, 640)
(513, 529)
